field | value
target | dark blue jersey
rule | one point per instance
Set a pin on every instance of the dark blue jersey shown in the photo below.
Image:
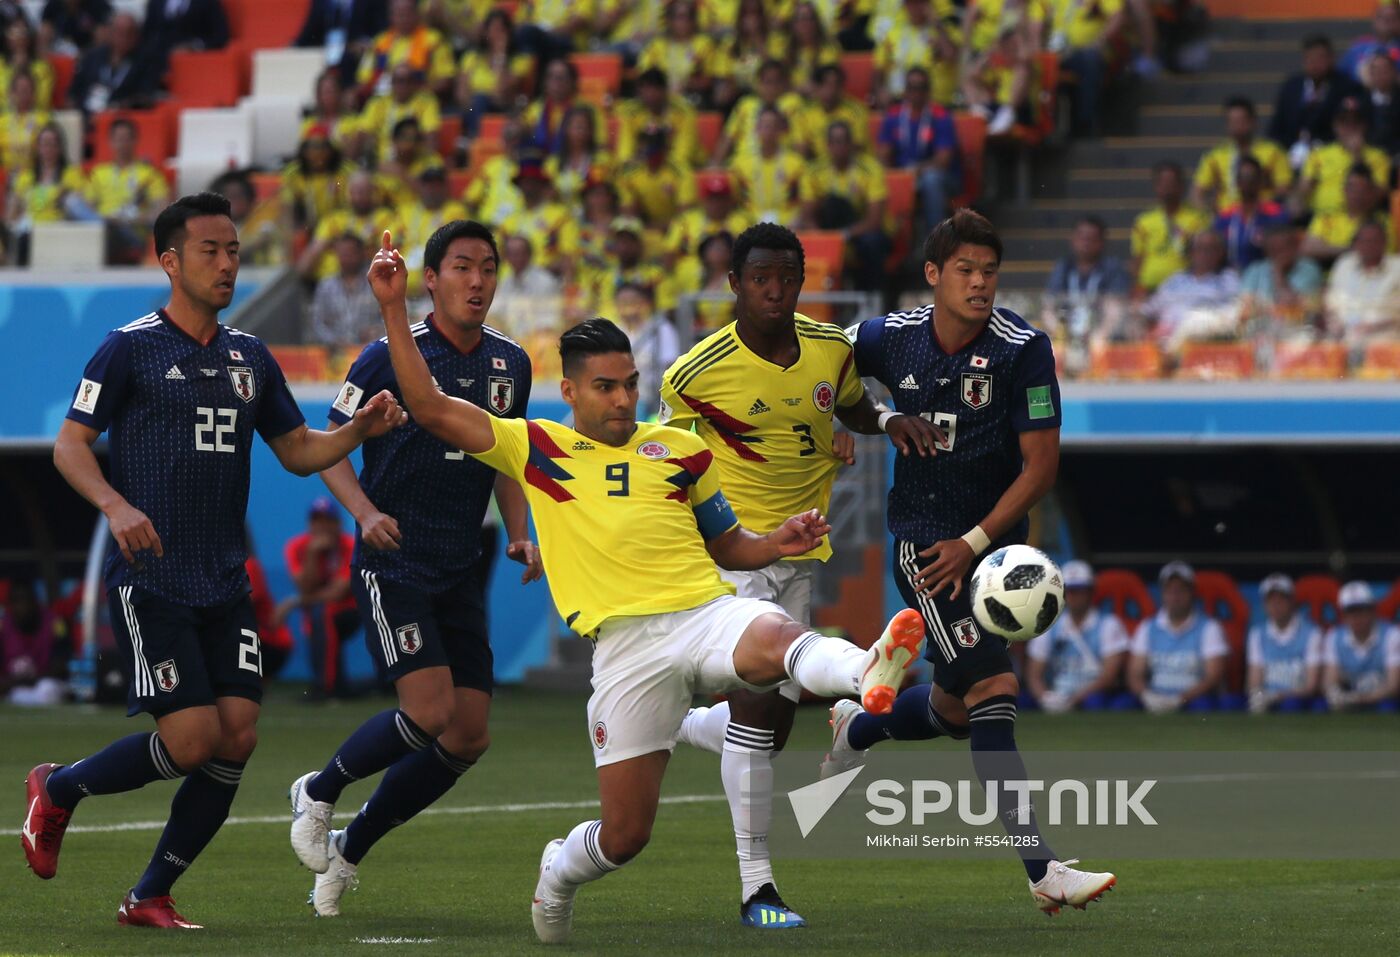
(983, 396)
(437, 494)
(179, 418)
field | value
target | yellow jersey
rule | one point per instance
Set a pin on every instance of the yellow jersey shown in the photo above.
(424, 49)
(1339, 228)
(550, 228)
(418, 225)
(43, 202)
(41, 71)
(633, 120)
(862, 183)
(908, 46)
(382, 114)
(622, 528)
(369, 227)
(492, 196)
(1082, 24)
(742, 126)
(680, 60)
(692, 227)
(1327, 167)
(120, 191)
(476, 66)
(1159, 242)
(318, 194)
(18, 131)
(769, 185)
(811, 125)
(1217, 171)
(769, 428)
(657, 194)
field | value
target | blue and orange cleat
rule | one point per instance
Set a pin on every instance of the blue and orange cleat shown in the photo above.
(889, 658)
(766, 910)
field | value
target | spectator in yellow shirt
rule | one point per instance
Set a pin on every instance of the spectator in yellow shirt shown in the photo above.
(314, 184)
(924, 39)
(740, 60)
(984, 22)
(997, 86)
(578, 158)
(551, 229)
(409, 159)
(769, 178)
(492, 195)
(715, 215)
(809, 48)
(410, 42)
(627, 266)
(601, 207)
(628, 26)
(21, 55)
(1331, 234)
(366, 216)
(493, 73)
(653, 187)
(330, 112)
(741, 129)
(261, 239)
(656, 107)
(21, 123)
(544, 117)
(1214, 185)
(683, 54)
(407, 98)
(1082, 31)
(1320, 187)
(42, 193)
(430, 210)
(126, 192)
(554, 28)
(830, 103)
(714, 264)
(1162, 235)
(847, 193)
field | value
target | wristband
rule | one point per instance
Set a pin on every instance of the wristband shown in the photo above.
(884, 420)
(977, 540)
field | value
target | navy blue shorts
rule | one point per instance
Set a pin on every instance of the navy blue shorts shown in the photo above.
(407, 629)
(178, 656)
(962, 653)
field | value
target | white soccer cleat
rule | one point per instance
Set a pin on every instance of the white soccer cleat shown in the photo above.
(552, 911)
(311, 826)
(842, 756)
(1063, 885)
(692, 719)
(339, 877)
(888, 659)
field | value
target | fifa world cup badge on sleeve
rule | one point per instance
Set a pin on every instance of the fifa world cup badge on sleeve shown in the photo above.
(86, 399)
(349, 399)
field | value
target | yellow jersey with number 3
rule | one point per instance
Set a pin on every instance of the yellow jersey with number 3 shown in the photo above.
(622, 528)
(770, 428)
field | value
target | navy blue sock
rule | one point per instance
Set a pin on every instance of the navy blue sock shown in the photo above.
(995, 757)
(375, 745)
(912, 718)
(124, 765)
(196, 814)
(409, 786)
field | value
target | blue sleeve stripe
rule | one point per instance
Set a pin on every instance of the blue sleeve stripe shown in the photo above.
(714, 516)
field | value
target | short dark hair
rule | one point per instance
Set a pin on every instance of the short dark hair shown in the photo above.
(406, 123)
(640, 288)
(963, 228)
(234, 179)
(1315, 40)
(654, 76)
(121, 122)
(1168, 166)
(169, 230)
(1089, 219)
(1369, 223)
(770, 64)
(1361, 169)
(820, 74)
(1244, 161)
(769, 236)
(449, 233)
(592, 337)
(1240, 103)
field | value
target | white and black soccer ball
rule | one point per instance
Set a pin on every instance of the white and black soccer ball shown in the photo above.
(1017, 592)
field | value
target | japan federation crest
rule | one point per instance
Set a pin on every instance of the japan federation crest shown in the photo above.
(600, 735)
(500, 393)
(410, 638)
(243, 384)
(167, 676)
(966, 632)
(824, 396)
(976, 389)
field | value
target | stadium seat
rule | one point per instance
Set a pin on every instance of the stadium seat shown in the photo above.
(1125, 595)
(63, 70)
(276, 123)
(206, 78)
(212, 141)
(1048, 113)
(599, 76)
(1221, 599)
(256, 24)
(972, 147)
(860, 74)
(1381, 361)
(1125, 360)
(1322, 360)
(303, 363)
(1317, 594)
(447, 136)
(153, 130)
(289, 72)
(69, 247)
(1216, 360)
(492, 128)
(709, 126)
(71, 122)
(824, 248)
(1389, 604)
(482, 150)
(266, 186)
(899, 213)
(457, 181)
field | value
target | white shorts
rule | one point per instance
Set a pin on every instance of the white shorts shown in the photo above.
(786, 584)
(646, 670)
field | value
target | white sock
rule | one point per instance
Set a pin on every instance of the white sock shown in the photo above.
(580, 860)
(703, 728)
(746, 766)
(828, 667)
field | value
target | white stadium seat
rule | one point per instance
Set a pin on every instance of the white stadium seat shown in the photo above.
(67, 247)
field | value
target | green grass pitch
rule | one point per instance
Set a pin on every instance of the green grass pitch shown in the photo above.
(459, 879)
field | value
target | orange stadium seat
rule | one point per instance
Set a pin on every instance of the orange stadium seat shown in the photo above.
(709, 126)
(262, 24)
(447, 136)
(824, 247)
(1323, 360)
(1221, 599)
(1216, 360)
(1049, 94)
(63, 69)
(483, 150)
(303, 363)
(860, 74)
(1124, 594)
(599, 76)
(266, 186)
(972, 146)
(207, 78)
(1317, 594)
(899, 210)
(1381, 361)
(457, 182)
(492, 127)
(1125, 360)
(153, 129)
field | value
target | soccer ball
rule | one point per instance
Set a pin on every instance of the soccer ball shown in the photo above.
(1017, 592)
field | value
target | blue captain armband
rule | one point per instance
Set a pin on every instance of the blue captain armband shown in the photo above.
(715, 516)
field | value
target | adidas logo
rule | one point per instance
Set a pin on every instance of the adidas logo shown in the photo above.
(909, 382)
(582, 446)
(174, 373)
(759, 407)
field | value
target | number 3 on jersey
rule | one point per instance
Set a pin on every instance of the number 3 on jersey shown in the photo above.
(948, 423)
